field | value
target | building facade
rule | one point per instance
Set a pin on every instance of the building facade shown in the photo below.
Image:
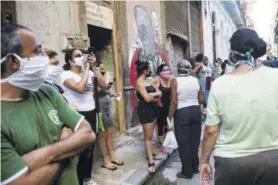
(217, 28)
(122, 32)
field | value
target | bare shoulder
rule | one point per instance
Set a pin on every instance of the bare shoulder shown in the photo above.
(138, 83)
(198, 64)
(156, 78)
(173, 82)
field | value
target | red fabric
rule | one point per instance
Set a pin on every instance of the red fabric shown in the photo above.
(133, 76)
(208, 83)
(159, 103)
(133, 72)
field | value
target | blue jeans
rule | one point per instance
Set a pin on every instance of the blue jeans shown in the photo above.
(203, 87)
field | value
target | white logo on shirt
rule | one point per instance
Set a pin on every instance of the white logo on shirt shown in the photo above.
(53, 115)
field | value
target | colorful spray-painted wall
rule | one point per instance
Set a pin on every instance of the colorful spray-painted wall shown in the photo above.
(145, 41)
(147, 45)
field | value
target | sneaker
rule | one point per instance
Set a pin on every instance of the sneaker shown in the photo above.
(164, 150)
(91, 182)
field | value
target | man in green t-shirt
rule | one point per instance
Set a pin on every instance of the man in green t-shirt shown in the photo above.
(37, 142)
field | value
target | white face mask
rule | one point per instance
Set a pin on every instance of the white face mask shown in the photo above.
(32, 72)
(53, 73)
(79, 61)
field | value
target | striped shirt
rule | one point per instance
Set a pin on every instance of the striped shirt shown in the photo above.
(215, 71)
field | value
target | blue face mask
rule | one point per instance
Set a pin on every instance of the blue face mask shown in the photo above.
(250, 60)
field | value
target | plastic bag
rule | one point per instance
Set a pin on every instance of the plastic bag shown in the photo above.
(170, 139)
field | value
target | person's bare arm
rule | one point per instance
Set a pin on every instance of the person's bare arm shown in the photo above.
(156, 82)
(201, 96)
(209, 140)
(78, 86)
(174, 99)
(101, 81)
(70, 146)
(197, 69)
(142, 90)
(41, 176)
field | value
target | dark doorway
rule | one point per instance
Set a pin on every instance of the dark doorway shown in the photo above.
(101, 41)
(180, 51)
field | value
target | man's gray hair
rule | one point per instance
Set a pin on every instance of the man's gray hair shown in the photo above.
(10, 40)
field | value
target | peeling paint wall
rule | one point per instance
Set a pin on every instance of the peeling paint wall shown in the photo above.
(48, 19)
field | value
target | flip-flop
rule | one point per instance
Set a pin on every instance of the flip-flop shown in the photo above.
(118, 162)
(155, 157)
(112, 169)
(152, 165)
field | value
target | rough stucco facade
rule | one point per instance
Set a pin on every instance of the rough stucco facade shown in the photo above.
(48, 19)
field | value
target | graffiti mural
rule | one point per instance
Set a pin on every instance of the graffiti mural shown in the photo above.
(146, 47)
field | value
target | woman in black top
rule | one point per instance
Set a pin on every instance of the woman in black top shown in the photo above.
(147, 107)
(164, 77)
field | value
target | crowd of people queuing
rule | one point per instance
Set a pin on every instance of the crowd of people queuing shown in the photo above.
(59, 113)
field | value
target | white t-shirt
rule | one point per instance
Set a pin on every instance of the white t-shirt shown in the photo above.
(204, 72)
(187, 91)
(246, 106)
(83, 101)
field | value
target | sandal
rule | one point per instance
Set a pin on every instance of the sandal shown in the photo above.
(109, 167)
(181, 175)
(117, 162)
(155, 157)
(151, 168)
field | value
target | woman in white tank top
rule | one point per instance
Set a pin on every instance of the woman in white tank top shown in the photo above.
(186, 95)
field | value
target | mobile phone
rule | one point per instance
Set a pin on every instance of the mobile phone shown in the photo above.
(91, 50)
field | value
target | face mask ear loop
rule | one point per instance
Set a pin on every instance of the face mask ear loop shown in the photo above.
(15, 73)
(250, 59)
(3, 59)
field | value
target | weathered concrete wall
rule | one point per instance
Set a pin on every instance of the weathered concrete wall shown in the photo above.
(48, 19)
